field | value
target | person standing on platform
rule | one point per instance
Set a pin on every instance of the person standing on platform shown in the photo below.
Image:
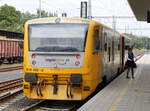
(130, 64)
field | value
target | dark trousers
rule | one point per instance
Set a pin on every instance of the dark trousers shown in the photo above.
(132, 71)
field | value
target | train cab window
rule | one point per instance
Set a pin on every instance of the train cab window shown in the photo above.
(96, 41)
(71, 37)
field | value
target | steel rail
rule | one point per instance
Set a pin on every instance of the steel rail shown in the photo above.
(8, 95)
(11, 68)
(11, 84)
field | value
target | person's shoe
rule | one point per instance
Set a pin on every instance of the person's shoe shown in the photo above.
(132, 77)
(128, 77)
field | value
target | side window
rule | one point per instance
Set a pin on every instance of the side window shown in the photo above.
(96, 41)
(113, 50)
(119, 41)
(109, 54)
(105, 41)
(109, 48)
(101, 39)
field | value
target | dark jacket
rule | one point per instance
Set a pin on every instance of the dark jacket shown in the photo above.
(130, 61)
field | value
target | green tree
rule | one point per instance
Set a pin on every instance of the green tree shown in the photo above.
(9, 18)
(140, 42)
(28, 16)
(25, 17)
(13, 20)
(45, 14)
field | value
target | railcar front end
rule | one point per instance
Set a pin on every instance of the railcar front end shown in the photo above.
(60, 62)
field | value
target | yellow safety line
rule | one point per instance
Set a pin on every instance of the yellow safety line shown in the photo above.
(113, 107)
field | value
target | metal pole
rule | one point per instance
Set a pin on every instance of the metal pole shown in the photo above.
(39, 8)
(89, 10)
(83, 10)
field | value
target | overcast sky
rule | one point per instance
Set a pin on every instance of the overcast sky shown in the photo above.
(99, 8)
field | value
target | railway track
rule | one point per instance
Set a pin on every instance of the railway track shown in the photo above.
(10, 85)
(11, 68)
(5, 96)
(9, 90)
(45, 105)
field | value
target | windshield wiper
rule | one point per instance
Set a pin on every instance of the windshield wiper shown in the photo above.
(56, 49)
(46, 49)
(68, 49)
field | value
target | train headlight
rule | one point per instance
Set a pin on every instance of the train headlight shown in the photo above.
(33, 62)
(77, 63)
(32, 78)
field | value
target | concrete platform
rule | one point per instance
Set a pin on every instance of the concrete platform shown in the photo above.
(125, 94)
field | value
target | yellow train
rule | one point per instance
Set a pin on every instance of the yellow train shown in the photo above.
(67, 58)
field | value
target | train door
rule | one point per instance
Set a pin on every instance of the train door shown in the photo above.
(112, 55)
(107, 57)
(101, 51)
(113, 51)
(122, 41)
(109, 62)
(96, 53)
(115, 55)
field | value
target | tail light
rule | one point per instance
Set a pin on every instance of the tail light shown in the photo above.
(78, 56)
(34, 56)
